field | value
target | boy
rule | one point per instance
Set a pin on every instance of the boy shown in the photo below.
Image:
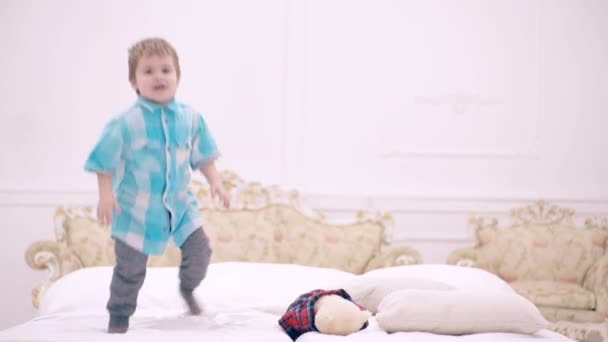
(143, 162)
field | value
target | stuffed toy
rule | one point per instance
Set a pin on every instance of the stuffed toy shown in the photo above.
(336, 314)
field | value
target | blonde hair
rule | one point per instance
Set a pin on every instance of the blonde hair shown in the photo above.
(151, 47)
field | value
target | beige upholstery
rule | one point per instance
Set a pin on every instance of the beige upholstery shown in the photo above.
(560, 267)
(264, 224)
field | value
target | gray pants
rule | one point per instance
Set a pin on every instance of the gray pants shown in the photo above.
(130, 271)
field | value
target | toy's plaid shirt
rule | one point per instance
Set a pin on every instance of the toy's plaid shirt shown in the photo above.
(150, 151)
(300, 315)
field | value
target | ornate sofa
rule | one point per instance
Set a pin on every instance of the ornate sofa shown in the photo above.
(545, 257)
(264, 224)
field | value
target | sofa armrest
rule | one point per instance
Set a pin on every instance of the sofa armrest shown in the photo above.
(57, 259)
(464, 257)
(394, 256)
(596, 281)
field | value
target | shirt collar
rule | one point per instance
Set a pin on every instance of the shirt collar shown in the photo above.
(153, 106)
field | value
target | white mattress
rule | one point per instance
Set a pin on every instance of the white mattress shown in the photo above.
(374, 334)
(251, 326)
(242, 301)
(227, 326)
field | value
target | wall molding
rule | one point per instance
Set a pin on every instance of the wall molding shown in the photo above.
(396, 154)
(418, 219)
(45, 198)
(452, 204)
(330, 203)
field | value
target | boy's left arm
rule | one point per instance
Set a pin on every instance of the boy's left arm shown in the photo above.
(202, 157)
(215, 183)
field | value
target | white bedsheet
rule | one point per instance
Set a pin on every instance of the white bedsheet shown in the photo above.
(227, 326)
(242, 301)
(240, 326)
(373, 333)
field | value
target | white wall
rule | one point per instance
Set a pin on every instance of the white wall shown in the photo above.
(433, 110)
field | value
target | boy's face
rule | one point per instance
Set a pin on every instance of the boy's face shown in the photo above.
(156, 78)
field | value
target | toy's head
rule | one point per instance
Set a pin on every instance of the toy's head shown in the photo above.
(338, 316)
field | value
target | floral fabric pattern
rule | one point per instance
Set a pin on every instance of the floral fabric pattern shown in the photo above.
(556, 294)
(561, 268)
(554, 252)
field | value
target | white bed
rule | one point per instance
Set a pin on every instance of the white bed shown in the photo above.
(267, 250)
(243, 302)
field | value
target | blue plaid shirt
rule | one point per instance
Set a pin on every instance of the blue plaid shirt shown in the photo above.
(150, 151)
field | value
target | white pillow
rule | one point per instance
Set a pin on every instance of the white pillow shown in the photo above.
(369, 290)
(458, 312)
(266, 287)
(455, 276)
(83, 291)
(227, 286)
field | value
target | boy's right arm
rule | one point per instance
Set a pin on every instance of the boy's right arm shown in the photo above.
(103, 161)
(107, 201)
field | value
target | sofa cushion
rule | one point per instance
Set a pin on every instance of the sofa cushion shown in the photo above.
(300, 239)
(282, 234)
(540, 252)
(239, 235)
(556, 294)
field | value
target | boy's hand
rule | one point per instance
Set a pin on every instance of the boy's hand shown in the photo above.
(217, 189)
(104, 209)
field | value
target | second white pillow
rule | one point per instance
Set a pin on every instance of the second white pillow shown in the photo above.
(369, 291)
(459, 312)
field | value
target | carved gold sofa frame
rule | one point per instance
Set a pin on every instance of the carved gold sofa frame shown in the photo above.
(264, 224)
